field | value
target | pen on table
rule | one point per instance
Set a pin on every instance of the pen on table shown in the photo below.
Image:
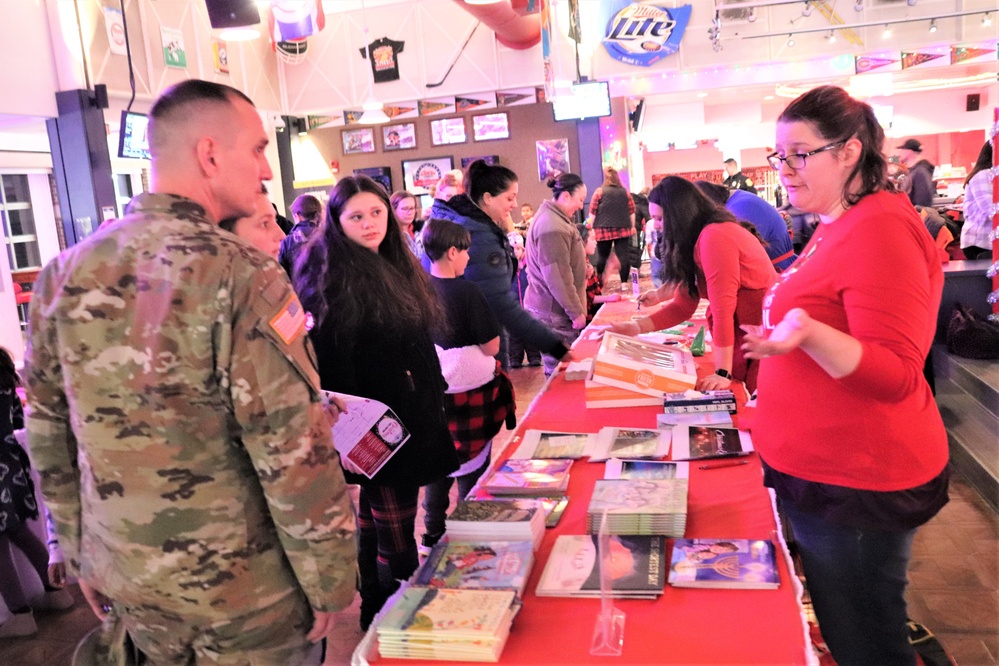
(726, 464)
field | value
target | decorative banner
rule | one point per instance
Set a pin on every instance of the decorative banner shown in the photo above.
(546, 47)
(869, 63)
(553, 158)
(115, 27)
(316, 122)
(642, 35)
(516, 96)
(399, 112)
(478, 102)
(926, 59)
(969, 54)
(221, 54)
(436, 107)
(173, 48)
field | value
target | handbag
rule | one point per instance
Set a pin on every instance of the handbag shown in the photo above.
(971, 335)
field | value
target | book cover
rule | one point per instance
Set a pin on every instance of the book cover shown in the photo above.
(492, 565)
(637, 566)
(513, 510)
(645, 367)
(639, 496)
(551, 444)
(553, 505)
(630, 443)
(699, 442)
(532, 475)
(724, 563)
(457, 614)
(695, 401)
(645, 469)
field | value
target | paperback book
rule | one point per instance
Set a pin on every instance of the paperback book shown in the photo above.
(644, 367)
(700, 442)
(637, 567)
(630, 443)
(724, 563)
(639, 506)
(531, 476)
(645, 469)
(483, 565)
(695, 401)
(551, 444)
(513, 519)
(552, 505)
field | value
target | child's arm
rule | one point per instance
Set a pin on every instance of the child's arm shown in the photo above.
(492, 347)
(607, 298)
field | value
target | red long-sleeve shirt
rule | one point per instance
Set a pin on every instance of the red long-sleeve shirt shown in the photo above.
(733, 273)
(877, 428)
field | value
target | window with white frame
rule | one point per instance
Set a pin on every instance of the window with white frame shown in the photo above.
(19, 223)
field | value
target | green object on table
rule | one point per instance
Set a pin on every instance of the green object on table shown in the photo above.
(697, 346)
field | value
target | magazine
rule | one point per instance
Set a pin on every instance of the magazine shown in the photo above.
(532, 476)
(645, 469)
(638, 567)
(724, 563)
(552, 444)
(630, 443)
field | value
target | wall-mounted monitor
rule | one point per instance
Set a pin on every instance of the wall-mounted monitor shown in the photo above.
(584, 100)
(132, 139)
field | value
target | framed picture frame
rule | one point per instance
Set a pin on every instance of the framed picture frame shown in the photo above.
(360, 140)
(419, 175)
(401, 136)
(381, 175)
(491, 126)
(553, 158)
(446, 131)
(491, 160)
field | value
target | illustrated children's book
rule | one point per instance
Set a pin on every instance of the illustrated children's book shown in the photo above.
(724, 563)
(637, 567)
(483, 565)
(699, 442)
(532, 476)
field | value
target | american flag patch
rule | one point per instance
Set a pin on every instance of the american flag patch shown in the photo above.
(290, 321)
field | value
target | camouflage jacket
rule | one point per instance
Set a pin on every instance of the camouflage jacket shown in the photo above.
(176, 422)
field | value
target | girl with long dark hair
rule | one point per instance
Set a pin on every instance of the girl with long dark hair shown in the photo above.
(375, 310)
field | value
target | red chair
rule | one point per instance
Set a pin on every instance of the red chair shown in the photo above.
(22, 298)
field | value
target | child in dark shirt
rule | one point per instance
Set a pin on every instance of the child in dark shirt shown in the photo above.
(479, 397)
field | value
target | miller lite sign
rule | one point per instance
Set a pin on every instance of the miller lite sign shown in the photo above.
(640, 34)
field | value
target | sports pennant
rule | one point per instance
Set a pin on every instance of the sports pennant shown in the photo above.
(516, 96)
(866, 63)
(968, 54)
(436, 107)
(925, 59)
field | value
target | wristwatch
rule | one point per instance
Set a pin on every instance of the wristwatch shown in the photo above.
(721, 372)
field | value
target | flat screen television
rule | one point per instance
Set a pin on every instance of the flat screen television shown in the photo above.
(585, 100)
(132, 139)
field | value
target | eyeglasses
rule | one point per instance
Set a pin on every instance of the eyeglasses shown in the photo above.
(407, 209)
(797, 160)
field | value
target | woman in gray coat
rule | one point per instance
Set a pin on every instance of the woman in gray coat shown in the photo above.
(556, 266)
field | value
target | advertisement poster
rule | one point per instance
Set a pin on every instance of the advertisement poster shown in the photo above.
(553, 158)
(173, 48)
(419, 175)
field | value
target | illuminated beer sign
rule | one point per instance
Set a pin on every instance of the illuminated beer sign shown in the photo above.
(642, 35)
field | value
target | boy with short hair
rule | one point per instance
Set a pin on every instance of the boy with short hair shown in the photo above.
(479, 396)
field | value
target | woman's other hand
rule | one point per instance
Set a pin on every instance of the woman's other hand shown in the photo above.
(713, 382)
(631, 328)
(651, 297)
(787, 336)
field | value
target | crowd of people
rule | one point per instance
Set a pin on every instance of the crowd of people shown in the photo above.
(177, 362)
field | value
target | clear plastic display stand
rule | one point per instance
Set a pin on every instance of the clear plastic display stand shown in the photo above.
(608, 632)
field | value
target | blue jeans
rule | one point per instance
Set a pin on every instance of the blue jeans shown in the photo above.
(436, 500)
(857, 582)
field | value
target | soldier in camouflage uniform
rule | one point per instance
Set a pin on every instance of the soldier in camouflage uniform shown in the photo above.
(175, 415)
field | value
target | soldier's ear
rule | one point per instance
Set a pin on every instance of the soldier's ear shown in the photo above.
(205, 153)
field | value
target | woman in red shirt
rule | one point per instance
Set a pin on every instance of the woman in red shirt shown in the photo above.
(847, 427)
(706, 254)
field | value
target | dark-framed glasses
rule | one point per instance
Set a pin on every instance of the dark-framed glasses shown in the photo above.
(797, 160)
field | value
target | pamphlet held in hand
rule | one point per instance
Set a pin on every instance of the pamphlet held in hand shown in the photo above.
(368, 434)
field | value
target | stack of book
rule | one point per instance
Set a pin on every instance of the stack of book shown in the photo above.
(639, 506)
(514, 519)
(724, 563)
(482, 565)
(534, 476)
(696, 408)
(451, 625)
(553, 505)
(637, 567)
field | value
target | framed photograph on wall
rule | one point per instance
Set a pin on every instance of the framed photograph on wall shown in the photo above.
(553, 158)
(446, 131)
(491, 160)
(381, 175)
(419, 175)
(399, 137)
(358, 140)
(490, 126)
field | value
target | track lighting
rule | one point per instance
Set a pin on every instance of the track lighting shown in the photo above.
(832, 37)
(752, 15)
(933, 25)
(911, 3)
(887, 32)
(790, 40)
(858, 6)
(807, 11)
(986, 20)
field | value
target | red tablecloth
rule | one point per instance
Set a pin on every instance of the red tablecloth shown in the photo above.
(683, 626)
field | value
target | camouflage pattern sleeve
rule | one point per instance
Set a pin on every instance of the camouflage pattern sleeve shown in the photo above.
(51, 444)
(270, 381)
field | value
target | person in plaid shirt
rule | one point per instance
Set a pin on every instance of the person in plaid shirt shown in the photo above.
(613, 212)
(479, 397)
(594, 290)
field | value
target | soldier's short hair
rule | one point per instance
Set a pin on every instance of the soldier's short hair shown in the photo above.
(181, 98)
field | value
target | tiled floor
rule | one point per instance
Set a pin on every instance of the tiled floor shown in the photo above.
(954, 583)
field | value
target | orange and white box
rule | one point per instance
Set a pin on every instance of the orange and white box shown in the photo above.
(644, 367)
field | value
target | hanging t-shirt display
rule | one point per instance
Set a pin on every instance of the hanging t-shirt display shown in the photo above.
(384, 59)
